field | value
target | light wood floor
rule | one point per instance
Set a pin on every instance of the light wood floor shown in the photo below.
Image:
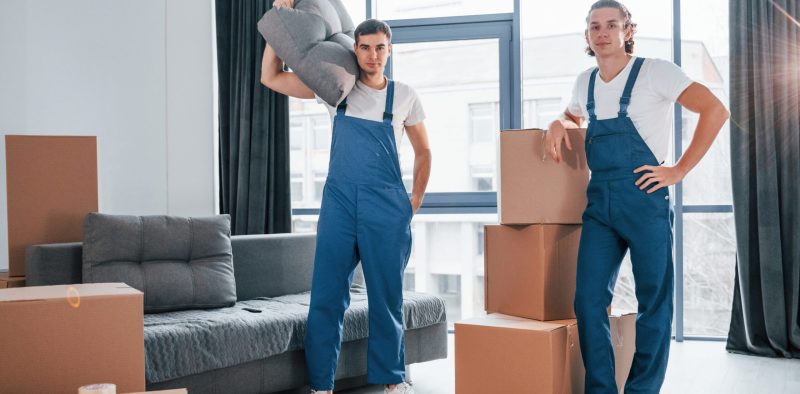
(694, 367)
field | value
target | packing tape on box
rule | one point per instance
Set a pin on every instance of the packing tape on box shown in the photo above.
(100, 388)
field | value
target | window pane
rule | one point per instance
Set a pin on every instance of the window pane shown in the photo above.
(309, 139)
(459, 89)
(705, 59)
(407, 9)
(709, 269)
(357, 10)
(446, 259)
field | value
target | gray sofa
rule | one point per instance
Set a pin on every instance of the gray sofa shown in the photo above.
(257, 349)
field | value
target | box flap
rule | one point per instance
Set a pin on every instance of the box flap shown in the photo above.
(512, 322)
(46, 293)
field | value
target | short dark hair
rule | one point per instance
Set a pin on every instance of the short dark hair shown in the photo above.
(372, 26)
(626, 21)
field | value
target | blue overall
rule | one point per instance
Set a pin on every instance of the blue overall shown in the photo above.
(365, 215)
(619, 216)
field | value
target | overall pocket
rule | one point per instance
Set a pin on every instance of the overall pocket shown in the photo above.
(607, 152)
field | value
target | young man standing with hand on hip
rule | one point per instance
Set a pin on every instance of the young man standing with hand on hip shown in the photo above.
(628, 102)
(365, 213)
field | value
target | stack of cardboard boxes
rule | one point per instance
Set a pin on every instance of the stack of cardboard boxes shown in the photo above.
(528, 343)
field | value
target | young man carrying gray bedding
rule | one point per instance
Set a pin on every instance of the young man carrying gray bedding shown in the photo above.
(365, 213)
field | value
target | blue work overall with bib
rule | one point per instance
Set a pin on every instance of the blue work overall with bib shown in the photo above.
(619, 216)
(365, 215)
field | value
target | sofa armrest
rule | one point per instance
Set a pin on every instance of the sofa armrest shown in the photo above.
(271, 265)
(53, 264)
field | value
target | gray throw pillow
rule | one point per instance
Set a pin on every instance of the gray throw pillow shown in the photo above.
(179, 263)
(315, 39)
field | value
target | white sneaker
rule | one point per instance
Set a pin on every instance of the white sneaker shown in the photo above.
(320, 391)
(402, 388)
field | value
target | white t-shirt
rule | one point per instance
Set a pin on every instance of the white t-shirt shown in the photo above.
(657, 88)
(367, 103)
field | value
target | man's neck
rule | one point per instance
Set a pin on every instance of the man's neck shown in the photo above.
(611, 66)
(375, 81)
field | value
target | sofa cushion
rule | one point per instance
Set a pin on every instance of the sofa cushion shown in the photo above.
(183, 343)
(315, 39)
(178, 263)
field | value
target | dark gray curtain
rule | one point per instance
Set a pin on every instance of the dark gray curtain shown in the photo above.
(253, 126)
(765, 156)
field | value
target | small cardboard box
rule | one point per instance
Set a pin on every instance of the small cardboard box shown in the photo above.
(530, 270)
(56, 339)
(11, 281)
(534, 189)
(506, 354)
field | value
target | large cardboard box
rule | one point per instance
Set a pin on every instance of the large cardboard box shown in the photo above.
(56, 339)
(530, 270)
(534, 189)
(51, 183)
(11, 281)
(506, 354)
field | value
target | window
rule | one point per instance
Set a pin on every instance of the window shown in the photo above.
(462, 134)
(484, 123)
(709, 246)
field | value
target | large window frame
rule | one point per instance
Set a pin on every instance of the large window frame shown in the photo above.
(506, 28)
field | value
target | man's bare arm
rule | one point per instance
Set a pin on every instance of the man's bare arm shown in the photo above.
(418, 136)
(713, 115)
(285, 82)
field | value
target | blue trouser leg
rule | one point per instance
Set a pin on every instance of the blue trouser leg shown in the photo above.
(384, 240)
(651, 259)
(600, 254)
(334, 263)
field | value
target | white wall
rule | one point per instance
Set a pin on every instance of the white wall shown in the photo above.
(136, 74)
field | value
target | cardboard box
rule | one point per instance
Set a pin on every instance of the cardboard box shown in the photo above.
(56, 339)
(506, 354)
(11, 281)
(534, 189)
(530, 270)
(51, 183)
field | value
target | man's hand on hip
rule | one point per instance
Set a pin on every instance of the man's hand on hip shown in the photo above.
(662, 176)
